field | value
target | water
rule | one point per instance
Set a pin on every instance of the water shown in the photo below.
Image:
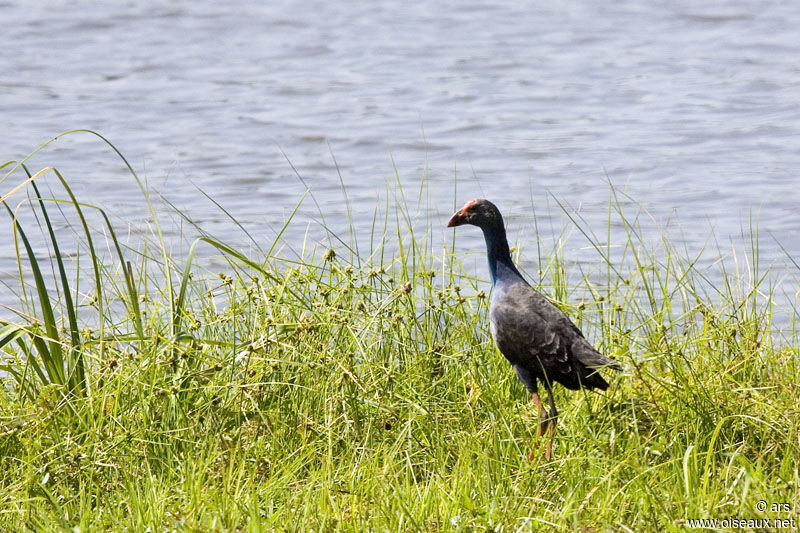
(693, 108)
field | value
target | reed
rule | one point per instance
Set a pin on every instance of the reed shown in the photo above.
(354, 386)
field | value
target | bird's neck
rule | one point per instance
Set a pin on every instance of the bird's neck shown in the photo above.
(500, 265)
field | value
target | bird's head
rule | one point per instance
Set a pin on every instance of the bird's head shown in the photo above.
(479, 212)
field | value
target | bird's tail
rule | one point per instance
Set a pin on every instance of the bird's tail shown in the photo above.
(591, 358)
(591, 379)
(591, 362)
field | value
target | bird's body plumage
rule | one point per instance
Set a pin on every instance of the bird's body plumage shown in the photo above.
(539, 341)
(534, 335)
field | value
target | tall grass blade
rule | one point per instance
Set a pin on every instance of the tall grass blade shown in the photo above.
(51, 352)
(77, 375)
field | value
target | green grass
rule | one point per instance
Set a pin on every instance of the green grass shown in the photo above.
(361, 391)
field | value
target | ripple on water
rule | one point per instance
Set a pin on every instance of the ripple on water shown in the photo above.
(691, 107)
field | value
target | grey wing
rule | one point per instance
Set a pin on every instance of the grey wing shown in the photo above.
(527, 330)
(578, 348)
(540, 337)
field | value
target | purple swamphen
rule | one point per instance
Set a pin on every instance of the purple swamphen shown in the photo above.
(539, 341)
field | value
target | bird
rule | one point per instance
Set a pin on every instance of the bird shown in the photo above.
(536, 337)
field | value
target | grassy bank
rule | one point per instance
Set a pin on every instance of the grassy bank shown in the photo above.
(361, 392)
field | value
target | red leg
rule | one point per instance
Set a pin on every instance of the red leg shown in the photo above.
(552, 420)
(542, 426)
(551, 429)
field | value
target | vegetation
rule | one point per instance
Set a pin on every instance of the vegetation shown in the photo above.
(361, 391)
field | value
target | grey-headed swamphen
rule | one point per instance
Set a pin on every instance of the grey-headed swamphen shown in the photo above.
(539, 341)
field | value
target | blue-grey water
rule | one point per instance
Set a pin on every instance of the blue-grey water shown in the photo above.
(691, 108)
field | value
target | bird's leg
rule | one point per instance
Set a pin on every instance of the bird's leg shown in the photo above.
(543, 420)
(540, 428)
(552, 420)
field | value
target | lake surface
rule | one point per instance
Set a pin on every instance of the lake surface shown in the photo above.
(691, 108)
